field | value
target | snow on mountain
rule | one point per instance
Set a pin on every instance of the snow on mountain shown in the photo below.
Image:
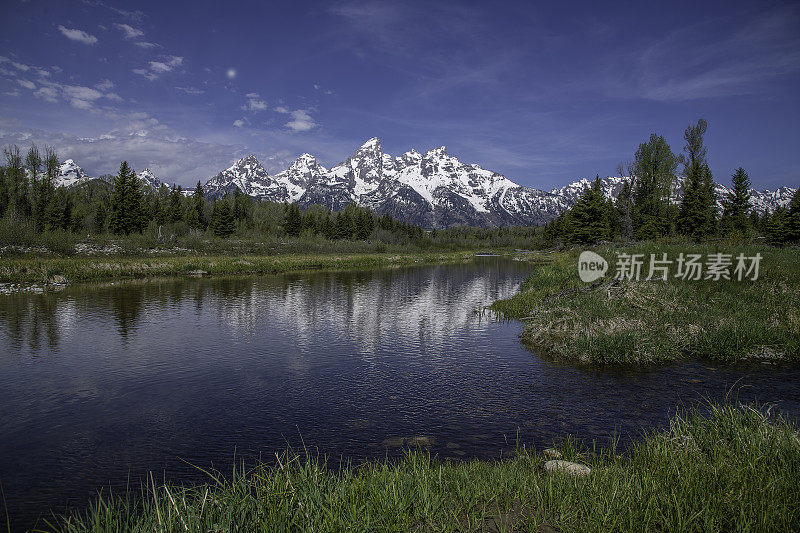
(149, 179)
(761, 201)
(433, 189)
(70, 174)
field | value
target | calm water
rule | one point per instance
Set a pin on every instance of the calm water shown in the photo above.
(99, 384)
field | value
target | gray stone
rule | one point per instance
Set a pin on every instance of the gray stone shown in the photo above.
(575, 469)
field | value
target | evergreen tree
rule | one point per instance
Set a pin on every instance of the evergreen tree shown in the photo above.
(736, 206)
(776, 229)
(653, 172)
(57, 213)
(99, 218)
(697, 213)
(126, 213)
(587, 220)
(175, 211)
(294, 220)
(793, 218)
(198, 217)
(223, 223)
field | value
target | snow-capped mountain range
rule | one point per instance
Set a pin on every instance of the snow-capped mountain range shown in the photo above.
(432, 189)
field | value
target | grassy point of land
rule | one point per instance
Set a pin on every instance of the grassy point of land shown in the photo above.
(75, 269)
(650, 321)
(732, 469)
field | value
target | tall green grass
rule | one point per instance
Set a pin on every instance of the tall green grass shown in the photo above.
(640, 322)
(731, 468)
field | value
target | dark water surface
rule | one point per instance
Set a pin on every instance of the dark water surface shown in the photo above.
(99, 384)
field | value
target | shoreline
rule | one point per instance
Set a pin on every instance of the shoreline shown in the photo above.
(36, 274)
(609, 322)
(708, 472)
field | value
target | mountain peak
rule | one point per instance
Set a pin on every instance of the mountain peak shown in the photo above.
(372, 143)
(437, 152)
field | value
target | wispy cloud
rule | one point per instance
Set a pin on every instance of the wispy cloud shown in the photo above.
(300, 119)
(157, 68)
(77, 35)
(133, 15)
(193, 91)
(146, 45)
(254, 103)
(129, 31)
(706, 61)
(143, 142)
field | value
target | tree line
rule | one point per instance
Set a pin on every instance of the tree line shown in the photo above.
(124, 205)
(645, 207)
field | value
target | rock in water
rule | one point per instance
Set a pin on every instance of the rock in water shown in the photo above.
(575, 469)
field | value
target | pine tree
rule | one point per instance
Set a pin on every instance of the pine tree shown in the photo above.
(697, 212)
(99, 218)
(223, 223)
(294, 220)
(197, 206)
(736, 206)
(175, 212)
(126, 213)
(653, 171)
(776, 229)
(586, 221)
(793, 218)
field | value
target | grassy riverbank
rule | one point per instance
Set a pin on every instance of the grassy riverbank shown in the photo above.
(73, 269)
(646, 321)
(735, 468)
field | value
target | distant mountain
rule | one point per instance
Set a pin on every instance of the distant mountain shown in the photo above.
(69, 174)
(149, 178)
(761, 201)
(432, 189)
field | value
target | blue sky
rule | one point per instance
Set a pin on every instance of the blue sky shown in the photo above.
(542, 92)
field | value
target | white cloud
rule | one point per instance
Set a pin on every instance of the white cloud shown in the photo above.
(254, 103)
(146, 45)
(190, 90)
(105, 85)
(157, 68)
(48, 94)
(77, 35)
(239, 123)
(231, 73)
(300, 119)
(316, 86)
(129, 31)
(27, 84)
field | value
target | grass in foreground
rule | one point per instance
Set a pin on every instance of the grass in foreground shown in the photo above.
(641, 322)
(733, 469)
